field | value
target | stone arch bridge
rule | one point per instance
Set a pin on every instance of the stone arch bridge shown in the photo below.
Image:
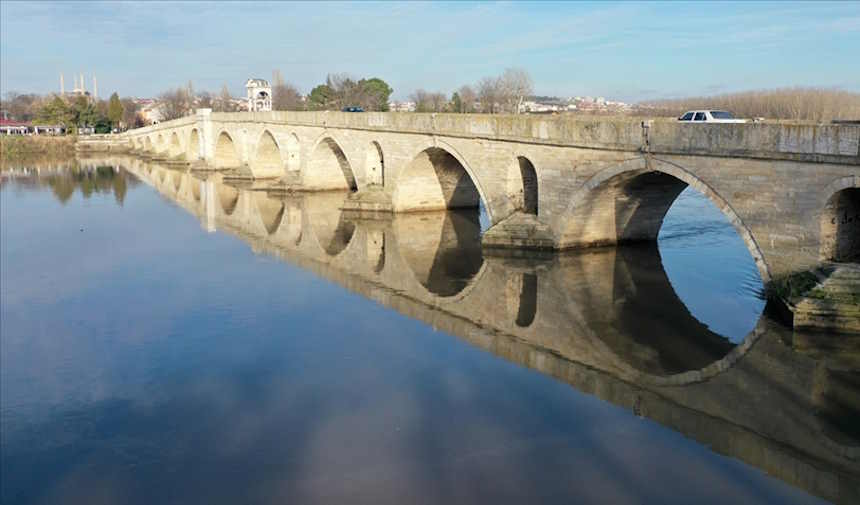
(792, 191)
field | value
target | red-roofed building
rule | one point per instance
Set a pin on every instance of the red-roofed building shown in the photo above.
(11, 127)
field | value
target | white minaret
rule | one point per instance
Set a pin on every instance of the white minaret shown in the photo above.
(62, 87)
(83, 84)
(95, 88)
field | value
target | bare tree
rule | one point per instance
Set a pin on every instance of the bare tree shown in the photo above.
(204, 101)
(224, 103)
(429, 102)
(438, 101)
(515, 84)
(285, 96)
(467, 99)
(421, 99)
(174, 104)
(489, 94)
(129, 113)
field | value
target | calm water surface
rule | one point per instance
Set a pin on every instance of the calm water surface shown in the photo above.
(167, 340)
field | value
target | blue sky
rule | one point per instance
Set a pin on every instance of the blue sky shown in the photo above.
(630, 51)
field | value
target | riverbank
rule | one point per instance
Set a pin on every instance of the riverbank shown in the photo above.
(16, 148)
(827, 298)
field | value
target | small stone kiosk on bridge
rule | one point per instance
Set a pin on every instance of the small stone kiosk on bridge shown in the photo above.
(259, 95)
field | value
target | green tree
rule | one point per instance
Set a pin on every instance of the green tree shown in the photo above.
(321, 97)
(456, 102)
(56, 112)
(84, 112)
(115, 110)
(375, 93)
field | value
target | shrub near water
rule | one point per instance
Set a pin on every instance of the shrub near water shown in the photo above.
(14, 147)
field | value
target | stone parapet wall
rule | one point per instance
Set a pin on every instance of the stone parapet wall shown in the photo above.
(769, 140)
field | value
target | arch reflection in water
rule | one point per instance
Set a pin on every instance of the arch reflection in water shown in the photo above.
(332, 230)
(608, 322)
(710, 267)
(443, 249)
(620, 300)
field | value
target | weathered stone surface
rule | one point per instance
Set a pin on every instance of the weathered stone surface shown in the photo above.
(834, 304)
(520, 230)
(588, 181)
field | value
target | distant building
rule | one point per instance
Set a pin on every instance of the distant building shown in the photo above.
(150, 110)
(259, 95)
(401, 106)
(9, 127)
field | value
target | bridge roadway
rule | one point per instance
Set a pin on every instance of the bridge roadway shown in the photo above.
(790, 190)
(575, 317)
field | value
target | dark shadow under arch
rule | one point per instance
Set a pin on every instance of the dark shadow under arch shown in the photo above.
(374, 164)
(627, 204)
(528, 300)
(435, 180)
(328, 168)
(442, 249)
(530, 185)
(840, 227)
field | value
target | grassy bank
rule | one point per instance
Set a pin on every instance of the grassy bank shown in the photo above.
(14, 147)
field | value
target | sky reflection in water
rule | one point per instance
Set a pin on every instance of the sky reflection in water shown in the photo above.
(145, 360)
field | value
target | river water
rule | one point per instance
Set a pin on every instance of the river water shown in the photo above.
(171, 338)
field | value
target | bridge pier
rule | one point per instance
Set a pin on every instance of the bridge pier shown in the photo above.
(372, 198)
(520, 230)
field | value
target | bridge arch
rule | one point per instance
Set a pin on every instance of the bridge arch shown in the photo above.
(160, 143)
(442, 250)
(332, 230)
(840, 222)
(226, 155)
(228, 198)
(270, 211)
(267, 160)
(438, 178)
(193, 152)
(523, 185)
(176, 179)
(627, 203)
(175, 149)
(328, 167)
(192, 187)
(147, 144)
(374, 164)
(292, 151)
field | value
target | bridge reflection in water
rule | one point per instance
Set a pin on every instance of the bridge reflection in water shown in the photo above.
(607, 322)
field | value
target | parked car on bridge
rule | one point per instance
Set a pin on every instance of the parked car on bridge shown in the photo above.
(353, 109)
(710, 116)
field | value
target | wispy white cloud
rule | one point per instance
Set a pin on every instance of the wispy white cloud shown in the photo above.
(142, 48)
